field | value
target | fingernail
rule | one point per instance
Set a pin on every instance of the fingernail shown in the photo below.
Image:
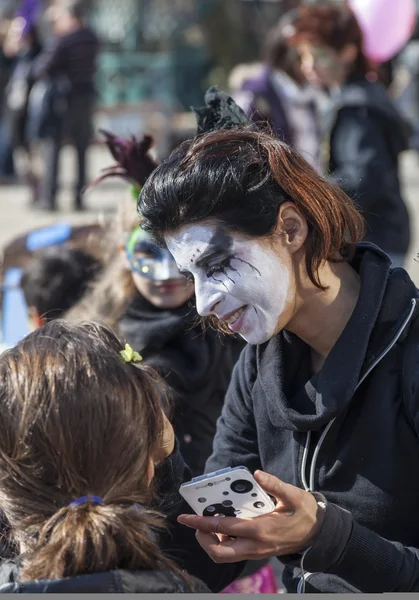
(182, 518)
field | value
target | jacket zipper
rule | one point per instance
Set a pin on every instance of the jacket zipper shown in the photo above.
(311, 484)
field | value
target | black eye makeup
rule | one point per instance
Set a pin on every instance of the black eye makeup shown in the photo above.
(216, 260)
(222, 267)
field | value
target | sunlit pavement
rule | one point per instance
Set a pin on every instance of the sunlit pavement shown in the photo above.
(17, 216)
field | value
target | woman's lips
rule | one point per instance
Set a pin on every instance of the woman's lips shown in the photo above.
(234, 320)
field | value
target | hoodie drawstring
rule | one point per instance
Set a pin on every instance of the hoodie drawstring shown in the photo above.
(311, 484)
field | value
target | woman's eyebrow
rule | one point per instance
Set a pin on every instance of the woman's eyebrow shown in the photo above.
(210, 254)
(219, 245)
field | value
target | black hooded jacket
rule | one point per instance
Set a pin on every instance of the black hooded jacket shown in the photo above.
(197, 366)
(367, 135)
(345, 432)
(110, 582)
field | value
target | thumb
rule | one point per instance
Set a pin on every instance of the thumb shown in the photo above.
(283, 492)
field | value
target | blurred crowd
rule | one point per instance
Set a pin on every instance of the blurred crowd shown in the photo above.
(48, 97)
(315, 88)
(320, 93)
(312, 85)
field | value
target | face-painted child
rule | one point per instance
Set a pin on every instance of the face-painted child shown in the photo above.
(155, 272)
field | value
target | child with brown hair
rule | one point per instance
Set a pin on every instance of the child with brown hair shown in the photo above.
(82, 430)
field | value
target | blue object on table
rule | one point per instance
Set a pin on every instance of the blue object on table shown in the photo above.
(14, 310)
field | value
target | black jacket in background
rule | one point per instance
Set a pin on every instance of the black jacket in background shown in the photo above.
(367, 464)
(111, 582)
(197, 365)
(366, 138)
(73, 56)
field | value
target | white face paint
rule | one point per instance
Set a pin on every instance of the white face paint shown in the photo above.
(237, 279)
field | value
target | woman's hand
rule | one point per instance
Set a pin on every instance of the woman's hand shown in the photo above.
(166, 442)
(290, 528)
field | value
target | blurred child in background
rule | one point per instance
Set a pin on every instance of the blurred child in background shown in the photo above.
(55, 280)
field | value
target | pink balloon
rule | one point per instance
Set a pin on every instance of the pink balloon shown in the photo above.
(386, 24)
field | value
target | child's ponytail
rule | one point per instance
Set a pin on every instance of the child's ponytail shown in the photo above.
(89, 538)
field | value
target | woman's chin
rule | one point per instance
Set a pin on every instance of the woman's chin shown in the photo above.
(250, 328)
(256, 337)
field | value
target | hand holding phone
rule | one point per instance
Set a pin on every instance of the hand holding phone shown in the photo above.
(230, 492)
(290, 528)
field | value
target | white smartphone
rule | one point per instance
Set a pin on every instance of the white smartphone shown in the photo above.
(231, 492)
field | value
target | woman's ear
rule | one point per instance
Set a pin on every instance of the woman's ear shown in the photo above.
(292, 223)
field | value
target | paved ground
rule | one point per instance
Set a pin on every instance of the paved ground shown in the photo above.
(16, 217)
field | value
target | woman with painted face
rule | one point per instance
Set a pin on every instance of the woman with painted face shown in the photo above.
(365, 134)
(143, 297)
(323, 398)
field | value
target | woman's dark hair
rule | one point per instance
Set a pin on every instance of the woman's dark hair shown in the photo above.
(240, 178)
(277, 51)
(78, 421)
(334, 26)
(79, 9)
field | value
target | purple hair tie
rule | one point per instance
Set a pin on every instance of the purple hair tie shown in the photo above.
(84, 499)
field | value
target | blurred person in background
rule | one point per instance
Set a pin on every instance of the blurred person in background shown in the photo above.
(22, 45)
(279, 93)
(143, 297)
(6, 151)
(405, 86)
(55, 280)
(365, 133)
(69, 65)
